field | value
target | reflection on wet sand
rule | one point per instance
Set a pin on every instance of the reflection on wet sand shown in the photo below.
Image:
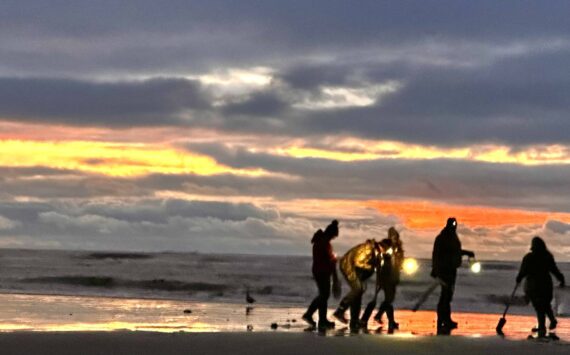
(70, 313)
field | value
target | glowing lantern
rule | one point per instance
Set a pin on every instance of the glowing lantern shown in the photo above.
(410, 266)
(476, 267)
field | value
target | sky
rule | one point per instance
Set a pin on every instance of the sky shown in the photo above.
(244, 126)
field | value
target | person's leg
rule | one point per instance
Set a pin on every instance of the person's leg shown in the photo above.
(539, 308)
(356, 305)
(390, 294)
(381, 308)
(551, 317)
(549, 312)
(347, 300)
(308, 316)
(324, 283)
(444, 307)
(313, 306)
(355, 311)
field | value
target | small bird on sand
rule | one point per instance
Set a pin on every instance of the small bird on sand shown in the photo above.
(248, 298)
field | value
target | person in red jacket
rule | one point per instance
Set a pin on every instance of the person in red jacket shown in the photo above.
(324, 268)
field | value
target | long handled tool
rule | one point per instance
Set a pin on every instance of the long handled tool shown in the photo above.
(503, 320)
(427, 292)
(370, 308)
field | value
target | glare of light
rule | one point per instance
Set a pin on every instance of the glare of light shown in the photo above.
(410, 266)
(389, 251)
(476, 267)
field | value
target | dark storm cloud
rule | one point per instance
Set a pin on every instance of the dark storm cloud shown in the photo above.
(558, 227)
(259, 104)
(311, 76)
(512, 101)
(469, 71)
(147, 102)
(279, 27)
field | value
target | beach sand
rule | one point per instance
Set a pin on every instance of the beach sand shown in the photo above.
(142, 343)
(48, 324)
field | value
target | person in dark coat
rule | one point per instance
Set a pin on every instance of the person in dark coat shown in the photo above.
(389, 276)
(536, 267)
(324, 268)
(357, 265)
(446, 258)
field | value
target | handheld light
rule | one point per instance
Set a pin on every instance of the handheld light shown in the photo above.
(410, 266)
(476, 267)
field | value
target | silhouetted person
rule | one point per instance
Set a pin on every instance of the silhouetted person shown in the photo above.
(389, 276)
(324, 268)
(357, 265)
(446, 258)
(536, 267)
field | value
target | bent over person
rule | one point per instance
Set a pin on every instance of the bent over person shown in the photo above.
(536, 267)
(446, 258)
(324, 267)
(357, 265)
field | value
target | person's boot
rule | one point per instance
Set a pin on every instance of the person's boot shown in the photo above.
(378, 316)
(450, 324)
(309, 319)
(442, 329)
(326, 324)
(392, 325)
(541, 333)
(355, 325)
(339, 315)
(553, 324)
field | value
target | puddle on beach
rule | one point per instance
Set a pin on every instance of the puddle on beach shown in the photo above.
(70, 313)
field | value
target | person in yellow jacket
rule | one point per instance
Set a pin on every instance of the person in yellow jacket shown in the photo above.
(357, 265)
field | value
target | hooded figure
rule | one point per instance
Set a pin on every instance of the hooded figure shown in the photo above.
(389, 276)
(446, 258)
(324, 267)
(536, 267)
(357, 265)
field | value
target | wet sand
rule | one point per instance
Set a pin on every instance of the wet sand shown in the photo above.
(37, 324)
(141, 343)
(48, 313)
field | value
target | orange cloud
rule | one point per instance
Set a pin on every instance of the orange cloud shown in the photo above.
(429, 215)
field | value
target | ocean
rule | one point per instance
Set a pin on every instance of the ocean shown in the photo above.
(216, 278)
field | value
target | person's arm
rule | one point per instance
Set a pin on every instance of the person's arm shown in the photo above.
(523, 271)
(378, 275)
(399, 258)
(336, 287)
(330, 254)
(436, 258)
(469, 253)
(556, 272)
